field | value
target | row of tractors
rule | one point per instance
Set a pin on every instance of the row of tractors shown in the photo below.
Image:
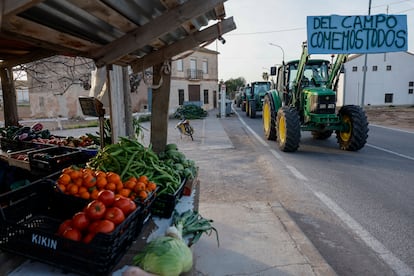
(304, 99)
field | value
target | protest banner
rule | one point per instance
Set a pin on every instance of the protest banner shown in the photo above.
(356, 34)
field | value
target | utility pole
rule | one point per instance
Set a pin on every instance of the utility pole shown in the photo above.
(365, 69)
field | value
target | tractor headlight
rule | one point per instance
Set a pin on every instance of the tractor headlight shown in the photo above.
(322, 106)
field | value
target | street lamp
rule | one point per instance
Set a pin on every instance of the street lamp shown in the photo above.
(283, 52)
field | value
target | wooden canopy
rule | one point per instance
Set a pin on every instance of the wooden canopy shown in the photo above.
(138, 33)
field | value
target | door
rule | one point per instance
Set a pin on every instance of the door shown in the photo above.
(193, 93)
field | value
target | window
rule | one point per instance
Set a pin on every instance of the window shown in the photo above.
(354, 69)
(411, 83)
(388, 67)
(410, 91)
(180, 96)
(22, 95)
(205, 67)
(180, 66)
(388, 97)
(205, 96)
(374, 68)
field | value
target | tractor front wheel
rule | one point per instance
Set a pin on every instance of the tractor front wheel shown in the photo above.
(269, 119)
(288, 126)
(252, 109)
(356, 133)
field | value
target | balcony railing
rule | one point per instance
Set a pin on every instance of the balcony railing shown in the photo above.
(194, 74)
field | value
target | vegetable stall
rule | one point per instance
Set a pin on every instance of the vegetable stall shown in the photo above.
(35, 199)
(84, 208)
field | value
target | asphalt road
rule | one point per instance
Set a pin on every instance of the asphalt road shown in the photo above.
(356, 207)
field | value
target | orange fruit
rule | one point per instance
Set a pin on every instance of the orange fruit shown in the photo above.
(110, 186)
(130, 185)
(101, 182)
(64, 179)
(119, 186)
(142, 195)
(140, 186)
(125, 192)
(62, 187)
(132, 178)
(143, 179)
(85, 195)
(67, 170)
(89, 180)
(151, 186)
(113, 177)
(94, 194)
(72, 189)
(78, 181)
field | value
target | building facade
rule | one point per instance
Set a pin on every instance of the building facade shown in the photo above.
(389, 80)
(55, 85)
(194, 79)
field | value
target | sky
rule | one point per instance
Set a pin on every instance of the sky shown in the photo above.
(247, 52)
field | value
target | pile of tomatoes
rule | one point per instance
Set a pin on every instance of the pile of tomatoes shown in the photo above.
(101, 215)
(87, 183)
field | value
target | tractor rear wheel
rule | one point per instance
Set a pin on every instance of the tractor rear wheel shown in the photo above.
(355, 137)
(252, 109)
(288, 129)
(269, 119)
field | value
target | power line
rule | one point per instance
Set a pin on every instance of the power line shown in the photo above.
(267, 32)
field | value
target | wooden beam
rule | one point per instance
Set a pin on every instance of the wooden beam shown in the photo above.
(45, 37)
(188, 43)
(12, 7)
(151, 31)
(35, 55)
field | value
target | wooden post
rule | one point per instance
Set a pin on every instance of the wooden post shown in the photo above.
(129, 129)
(160, 105)
(11, 117)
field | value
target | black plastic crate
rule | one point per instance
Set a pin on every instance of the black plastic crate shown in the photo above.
(164, 204)
(9, 145)
(30, 217)
(56, 158)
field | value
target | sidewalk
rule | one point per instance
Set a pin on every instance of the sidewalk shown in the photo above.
(257, 236)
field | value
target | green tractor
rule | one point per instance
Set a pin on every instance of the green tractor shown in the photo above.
(305, 100)
(255, 93)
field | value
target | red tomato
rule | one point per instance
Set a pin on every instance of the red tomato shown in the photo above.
(105, 226)
(88, 237)
(64, 225)
(80, 221)
(92, 226)
(72, 234)
(115, 214)
(95, 209)
(127, 205)
(107, 197)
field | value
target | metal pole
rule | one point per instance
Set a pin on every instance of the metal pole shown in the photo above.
(283, 52)
(365, 69)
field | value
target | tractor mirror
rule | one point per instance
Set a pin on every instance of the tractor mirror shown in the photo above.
(273, 71)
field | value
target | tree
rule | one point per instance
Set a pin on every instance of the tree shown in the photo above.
(232, 85)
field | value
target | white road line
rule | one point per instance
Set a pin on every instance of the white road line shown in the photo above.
(398, 266)
(391, 152)
(396, 129)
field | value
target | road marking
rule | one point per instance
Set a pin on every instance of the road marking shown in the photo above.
(391, 152)
(398, 266)
(396, 129)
